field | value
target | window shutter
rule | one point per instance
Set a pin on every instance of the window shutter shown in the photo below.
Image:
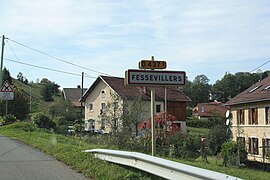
(249, 145)
(263, 145)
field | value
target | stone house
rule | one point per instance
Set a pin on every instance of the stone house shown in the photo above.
(250, 112)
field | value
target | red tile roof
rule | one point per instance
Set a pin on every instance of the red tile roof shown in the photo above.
(256, 93)
(210, 109)
(117, 84)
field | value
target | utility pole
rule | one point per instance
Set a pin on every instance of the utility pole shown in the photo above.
(2, 58)
(81, 121)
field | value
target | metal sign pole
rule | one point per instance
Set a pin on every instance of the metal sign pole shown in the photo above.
(153, 122)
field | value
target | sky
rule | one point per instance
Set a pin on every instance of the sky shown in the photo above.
(108, 37)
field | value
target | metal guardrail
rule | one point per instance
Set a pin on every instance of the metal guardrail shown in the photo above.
(158, 166)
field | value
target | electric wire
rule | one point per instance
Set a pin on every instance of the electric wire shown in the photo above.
(49, 69)
(17, 58)
(260, 66)
(57, 58)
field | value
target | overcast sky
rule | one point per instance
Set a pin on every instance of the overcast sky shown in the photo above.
(110, 36)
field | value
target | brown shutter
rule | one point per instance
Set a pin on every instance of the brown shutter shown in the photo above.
(249, 145)
(263, 146)
(256, 116)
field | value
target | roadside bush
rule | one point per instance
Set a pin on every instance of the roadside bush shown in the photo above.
(230, 155)
(41, 120)
(180, 146)
(205, 123)
(8, 119)
(216, 137)
(25, 126)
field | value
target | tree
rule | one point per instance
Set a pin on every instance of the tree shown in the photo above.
(19, 107)
(6, 75)
(22, 78)
(231, 85)
(49, 89)
(200, 89)
(63, 108)
(216, 137)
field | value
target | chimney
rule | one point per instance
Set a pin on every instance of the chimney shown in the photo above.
(78, 86)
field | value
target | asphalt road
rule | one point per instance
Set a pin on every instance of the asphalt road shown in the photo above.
(20, 161)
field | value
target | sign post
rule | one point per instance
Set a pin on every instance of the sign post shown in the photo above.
(154, 78)
(153, 122)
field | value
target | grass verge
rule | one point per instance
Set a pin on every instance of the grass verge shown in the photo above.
(69, 150)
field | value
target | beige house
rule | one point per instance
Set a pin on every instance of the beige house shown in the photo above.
(109, 97)
(251, 119)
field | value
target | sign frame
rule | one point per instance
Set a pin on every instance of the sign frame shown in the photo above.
(6, 94)
(163, 77)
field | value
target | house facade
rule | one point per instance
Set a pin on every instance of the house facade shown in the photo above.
(250, 112)
(204, 111)
(110, 92)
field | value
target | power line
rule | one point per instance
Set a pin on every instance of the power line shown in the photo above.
(50, 69)
(57, 58)
(260, 66)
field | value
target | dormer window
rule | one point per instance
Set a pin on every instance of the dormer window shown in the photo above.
(254, 89)
(267, 88)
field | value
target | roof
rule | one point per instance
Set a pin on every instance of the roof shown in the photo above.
(73, 94)
(129, 92)
(256, 93)
(210, 109)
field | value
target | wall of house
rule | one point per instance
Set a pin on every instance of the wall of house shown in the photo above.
(177, 109)
(96, 99)
(259, 131)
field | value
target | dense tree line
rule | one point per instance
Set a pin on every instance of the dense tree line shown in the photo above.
(199, 90)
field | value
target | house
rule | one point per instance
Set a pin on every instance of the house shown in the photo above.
(250, 112)
(204, 111)
(74, 94)
(106, 89)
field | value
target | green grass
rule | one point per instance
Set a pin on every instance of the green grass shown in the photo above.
(69, 150)
(198, 131)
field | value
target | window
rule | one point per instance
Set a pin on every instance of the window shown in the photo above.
(158, 108)
(91, 107)
(253, 146)
(267, 115)
(102, 108)
(115, 105)
(202, 108)
(253, 116)
(102, 94)
(241, 116)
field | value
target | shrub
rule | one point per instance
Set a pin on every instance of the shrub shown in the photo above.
(41, 120)
(8, 119)
(230, 154)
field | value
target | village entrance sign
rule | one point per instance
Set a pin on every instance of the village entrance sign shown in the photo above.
(148, 76)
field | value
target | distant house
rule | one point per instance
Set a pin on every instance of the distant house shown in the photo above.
(251, 119)
(74, 95)
(205, 111)
(104, 88)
